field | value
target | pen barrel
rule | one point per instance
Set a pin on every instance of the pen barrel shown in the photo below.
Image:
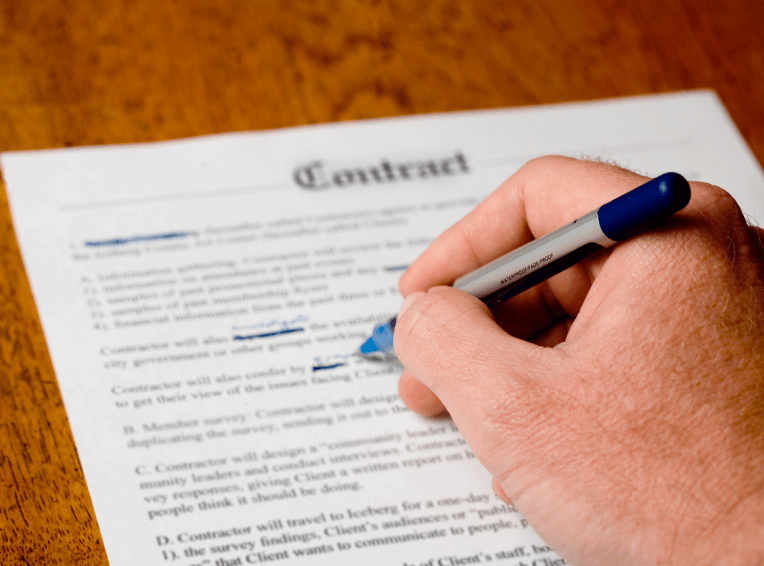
(546, 256)
(540, 259)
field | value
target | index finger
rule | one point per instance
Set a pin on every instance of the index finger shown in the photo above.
(540, 197)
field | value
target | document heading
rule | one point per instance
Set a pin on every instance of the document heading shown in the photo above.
(315, 176)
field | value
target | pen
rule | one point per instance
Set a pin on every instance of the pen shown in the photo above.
(537, 261)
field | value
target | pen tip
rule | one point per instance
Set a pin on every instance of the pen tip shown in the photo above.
(368, 347)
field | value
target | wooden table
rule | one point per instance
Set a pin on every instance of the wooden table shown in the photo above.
(78, 73)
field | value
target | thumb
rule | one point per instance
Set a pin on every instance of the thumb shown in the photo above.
(449, 341)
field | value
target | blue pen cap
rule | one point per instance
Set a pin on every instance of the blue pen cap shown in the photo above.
(646, 204)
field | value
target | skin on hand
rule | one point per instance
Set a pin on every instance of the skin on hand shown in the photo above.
(619, 405)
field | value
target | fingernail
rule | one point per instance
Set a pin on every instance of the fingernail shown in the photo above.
(410, 300)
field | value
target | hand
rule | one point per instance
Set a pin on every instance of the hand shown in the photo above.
(619, 405)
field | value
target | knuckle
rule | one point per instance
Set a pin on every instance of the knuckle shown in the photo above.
(725, 230)
(584, 166)
(714, 201)
(546, 163)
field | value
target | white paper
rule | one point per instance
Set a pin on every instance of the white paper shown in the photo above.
(148, 261)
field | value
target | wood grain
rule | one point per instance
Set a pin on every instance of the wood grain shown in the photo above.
(78, 73)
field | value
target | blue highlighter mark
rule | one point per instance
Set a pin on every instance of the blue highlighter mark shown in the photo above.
(396, 268)
(369, 346)
(381, 340)
(269, 334)
(133, 239)
(320, 368)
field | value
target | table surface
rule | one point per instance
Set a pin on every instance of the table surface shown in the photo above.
(79, 73)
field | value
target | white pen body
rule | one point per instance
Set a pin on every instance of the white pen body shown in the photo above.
(533, 256)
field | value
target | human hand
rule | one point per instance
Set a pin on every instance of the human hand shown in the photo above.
(620, 404)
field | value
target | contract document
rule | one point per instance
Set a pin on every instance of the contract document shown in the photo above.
(202, 300)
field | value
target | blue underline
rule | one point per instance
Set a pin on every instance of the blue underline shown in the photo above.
(267, 334)
(132, 239)
(319, 368)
